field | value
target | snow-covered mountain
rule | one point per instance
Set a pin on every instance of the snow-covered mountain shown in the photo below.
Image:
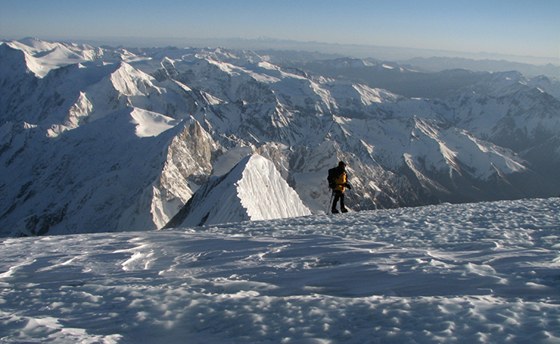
(101, 139)
(466, 273)
(252, 190)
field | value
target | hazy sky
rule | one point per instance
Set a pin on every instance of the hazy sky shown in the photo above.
(514, 27)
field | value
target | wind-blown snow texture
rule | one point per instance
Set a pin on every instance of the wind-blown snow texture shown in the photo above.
(470, 273)
(108, 139)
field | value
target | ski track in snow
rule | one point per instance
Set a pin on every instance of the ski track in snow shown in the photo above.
(471, 273)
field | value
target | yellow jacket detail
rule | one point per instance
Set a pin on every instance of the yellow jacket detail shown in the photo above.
(341, 182)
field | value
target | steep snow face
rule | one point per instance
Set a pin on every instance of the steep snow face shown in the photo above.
(252, 190)
(265, 194)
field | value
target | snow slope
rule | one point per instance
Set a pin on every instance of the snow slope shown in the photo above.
(253, 190)
(470, 273)
(42, 56)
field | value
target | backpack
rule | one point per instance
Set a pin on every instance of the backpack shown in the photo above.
(334, 173)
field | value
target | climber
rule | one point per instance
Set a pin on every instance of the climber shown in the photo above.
(338, 182)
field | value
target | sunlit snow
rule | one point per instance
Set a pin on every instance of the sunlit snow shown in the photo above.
(252, 190)
(150, 123)
(471, 273)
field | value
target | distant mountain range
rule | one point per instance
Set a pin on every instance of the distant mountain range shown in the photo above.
(111, 139)
(437, 64)
(428, 57)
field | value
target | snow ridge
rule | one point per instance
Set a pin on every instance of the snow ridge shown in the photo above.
(252, 190)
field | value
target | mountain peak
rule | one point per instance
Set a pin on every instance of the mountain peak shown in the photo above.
(252, 190)
(14, 61)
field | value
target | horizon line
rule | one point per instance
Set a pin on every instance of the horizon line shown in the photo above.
(150, 40)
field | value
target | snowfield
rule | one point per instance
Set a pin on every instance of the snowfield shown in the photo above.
(470, 273)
